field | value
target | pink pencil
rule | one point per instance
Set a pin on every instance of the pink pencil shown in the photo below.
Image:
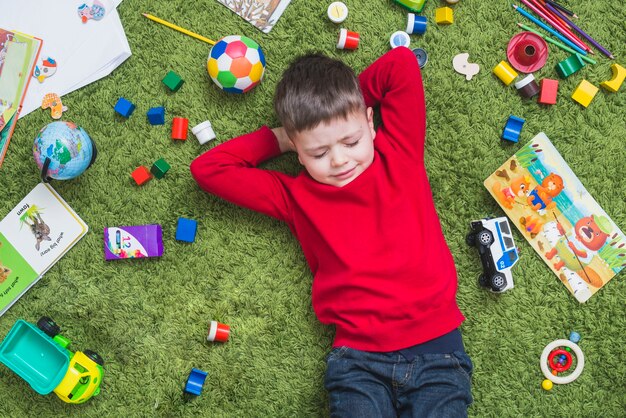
(556, 25)
(542, 5)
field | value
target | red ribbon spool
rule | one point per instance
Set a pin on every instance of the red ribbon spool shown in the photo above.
(527, 52)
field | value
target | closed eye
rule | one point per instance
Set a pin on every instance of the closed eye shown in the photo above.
(351, 144)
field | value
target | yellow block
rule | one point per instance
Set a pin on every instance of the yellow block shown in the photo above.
(505, 73)
(619, 74)
(443, 16)
(584, 93)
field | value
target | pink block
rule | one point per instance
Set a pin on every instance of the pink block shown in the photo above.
(549, 89)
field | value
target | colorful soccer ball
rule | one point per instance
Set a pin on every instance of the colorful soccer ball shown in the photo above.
(236, 64)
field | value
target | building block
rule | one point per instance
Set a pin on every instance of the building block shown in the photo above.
(173, 81)
(179, 128)
(141, 175)
(513, 128)
(124, 107)
(416, 24)
(186, 230)
(570, 65)
(505, 72)
(619, 74)
(159, 168)
(527, 87)
(584, 93)
(203, 132)
(195, 381)
(156, 115)
(549, 89)
(444, 16)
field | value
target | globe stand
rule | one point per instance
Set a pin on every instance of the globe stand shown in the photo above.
(44, 170)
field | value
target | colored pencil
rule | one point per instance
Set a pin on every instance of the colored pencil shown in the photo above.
(545, 27)
(563, 9)
(557, 43)
(556, 25)
(582, 33)
(565, 25)
(179, 29)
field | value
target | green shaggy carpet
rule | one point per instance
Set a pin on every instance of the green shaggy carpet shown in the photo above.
(148, 318)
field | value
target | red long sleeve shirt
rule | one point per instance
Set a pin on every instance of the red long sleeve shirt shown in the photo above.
(383, 273)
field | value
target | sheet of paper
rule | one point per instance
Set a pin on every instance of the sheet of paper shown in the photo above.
(83, 52)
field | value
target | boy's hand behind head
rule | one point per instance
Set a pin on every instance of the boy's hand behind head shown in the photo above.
(284, 142)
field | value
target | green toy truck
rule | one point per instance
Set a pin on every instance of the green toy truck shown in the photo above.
(39, 355)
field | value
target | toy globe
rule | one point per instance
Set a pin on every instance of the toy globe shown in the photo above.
(236, 64)
(63, 151)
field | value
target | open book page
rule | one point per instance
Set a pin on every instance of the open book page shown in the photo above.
(33, 237)
(565, 225)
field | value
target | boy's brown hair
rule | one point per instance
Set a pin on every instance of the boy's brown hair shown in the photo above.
(315, 89)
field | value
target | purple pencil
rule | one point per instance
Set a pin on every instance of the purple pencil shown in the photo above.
(579, 30)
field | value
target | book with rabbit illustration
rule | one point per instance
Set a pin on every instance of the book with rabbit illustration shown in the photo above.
(33, 237)
(565, 225)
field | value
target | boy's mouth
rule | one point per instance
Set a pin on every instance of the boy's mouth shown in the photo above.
(345, 174)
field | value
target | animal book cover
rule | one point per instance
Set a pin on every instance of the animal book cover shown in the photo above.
(554, 212)
(33, 237)
(263, 14)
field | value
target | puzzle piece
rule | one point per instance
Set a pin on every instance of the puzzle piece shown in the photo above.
(463, 66)
(53, 101)
(95, 12)
(45, 68)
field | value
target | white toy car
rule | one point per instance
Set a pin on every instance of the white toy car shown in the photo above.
(498, 254)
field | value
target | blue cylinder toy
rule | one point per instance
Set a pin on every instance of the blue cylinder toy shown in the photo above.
(416, 24)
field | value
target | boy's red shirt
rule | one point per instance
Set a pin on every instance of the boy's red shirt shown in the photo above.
(383, 273)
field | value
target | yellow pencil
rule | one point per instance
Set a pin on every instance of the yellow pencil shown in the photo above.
(178, 28)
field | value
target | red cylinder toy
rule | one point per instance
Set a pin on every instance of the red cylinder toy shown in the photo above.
(179, 128)
(218, 332)
(348, 39)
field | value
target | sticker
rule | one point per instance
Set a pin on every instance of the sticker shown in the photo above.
(45, 68)
(95, 12)
(53, 101)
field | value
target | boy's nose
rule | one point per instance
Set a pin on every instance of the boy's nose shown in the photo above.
(338, 159)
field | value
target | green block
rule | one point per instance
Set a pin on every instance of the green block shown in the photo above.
(173, 81)
(570, 65)
(159, 168)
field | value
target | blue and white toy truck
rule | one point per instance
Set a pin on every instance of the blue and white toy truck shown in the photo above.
(498, 254)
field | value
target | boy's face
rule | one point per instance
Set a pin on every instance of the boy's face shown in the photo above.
(338, 151)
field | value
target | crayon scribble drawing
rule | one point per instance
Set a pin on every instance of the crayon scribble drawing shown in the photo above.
(261, 13)
(554, 212)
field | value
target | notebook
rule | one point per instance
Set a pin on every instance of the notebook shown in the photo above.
(18, 56)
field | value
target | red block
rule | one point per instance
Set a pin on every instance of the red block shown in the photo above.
(141, 175)
(549, 90)
(179, 128)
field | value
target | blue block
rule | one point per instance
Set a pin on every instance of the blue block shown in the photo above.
(186, 230)
(513, 128)
(124, 107)
(156, 115)
(195, 381)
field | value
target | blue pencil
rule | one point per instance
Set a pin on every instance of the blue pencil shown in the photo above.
(549, 29)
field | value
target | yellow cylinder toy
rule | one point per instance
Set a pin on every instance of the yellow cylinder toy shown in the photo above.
(505, 73)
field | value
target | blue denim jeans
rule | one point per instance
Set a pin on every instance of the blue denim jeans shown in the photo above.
(366, 384)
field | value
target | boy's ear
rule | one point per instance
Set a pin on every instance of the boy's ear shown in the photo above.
(370, 121)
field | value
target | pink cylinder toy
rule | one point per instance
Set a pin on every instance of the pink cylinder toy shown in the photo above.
(348, 39)
(218, 332)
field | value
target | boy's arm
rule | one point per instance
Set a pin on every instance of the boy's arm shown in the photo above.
(394, 82)
(229, 171)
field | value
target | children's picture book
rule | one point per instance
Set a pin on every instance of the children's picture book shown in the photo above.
(18, 56)
(263, 14)
(33, 237)
(554, 212)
